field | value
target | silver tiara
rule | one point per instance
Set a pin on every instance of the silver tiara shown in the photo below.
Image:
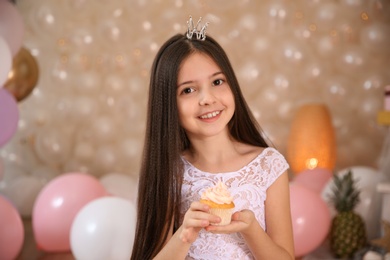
(200, 35)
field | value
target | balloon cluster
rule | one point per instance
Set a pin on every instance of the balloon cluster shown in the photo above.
(77, 213)
(312, 210)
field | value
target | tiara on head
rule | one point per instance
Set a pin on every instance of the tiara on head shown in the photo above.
(191, 29)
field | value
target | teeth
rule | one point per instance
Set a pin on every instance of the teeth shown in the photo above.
(210, 115)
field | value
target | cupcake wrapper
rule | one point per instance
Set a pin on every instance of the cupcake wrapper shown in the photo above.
(224, 214)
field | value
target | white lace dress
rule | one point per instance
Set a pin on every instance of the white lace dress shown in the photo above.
(248, 186)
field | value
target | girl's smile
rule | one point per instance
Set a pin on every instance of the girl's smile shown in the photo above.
(210, 115)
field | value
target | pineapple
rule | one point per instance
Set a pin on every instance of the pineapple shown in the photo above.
(348, 231)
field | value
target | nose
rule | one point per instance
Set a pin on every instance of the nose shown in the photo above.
(206, 98)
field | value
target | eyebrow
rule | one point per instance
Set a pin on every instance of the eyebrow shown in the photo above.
(191, 81)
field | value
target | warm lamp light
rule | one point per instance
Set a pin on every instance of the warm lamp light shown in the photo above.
(311, 142)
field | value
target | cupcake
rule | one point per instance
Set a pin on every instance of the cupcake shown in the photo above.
(220, 202)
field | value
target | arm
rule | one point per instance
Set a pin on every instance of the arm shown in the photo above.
(277, 242)
(178, 244)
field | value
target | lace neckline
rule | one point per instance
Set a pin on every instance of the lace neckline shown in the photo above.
(262, 153)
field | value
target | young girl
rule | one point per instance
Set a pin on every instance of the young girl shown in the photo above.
(201, 131)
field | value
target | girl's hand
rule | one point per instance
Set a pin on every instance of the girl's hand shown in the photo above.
(196, 218)
(241, 222)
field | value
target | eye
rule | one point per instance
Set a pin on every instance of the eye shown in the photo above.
(187, 90)
(218, 82)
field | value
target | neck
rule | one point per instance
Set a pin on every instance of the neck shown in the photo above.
(212, 151)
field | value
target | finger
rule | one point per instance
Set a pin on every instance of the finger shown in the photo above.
(225, 229)
(200, 219)
(199, 210)
(196, 223)
(196, 205)
(213, 218)
(236, 216)
(200, 215)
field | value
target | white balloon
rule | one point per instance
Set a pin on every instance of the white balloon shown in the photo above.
(104, 229)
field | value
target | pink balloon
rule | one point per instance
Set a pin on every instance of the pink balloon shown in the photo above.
(11, 26)
(311, 219)
(11, 230)
(9, 116)
(57, 205)
(314, 179)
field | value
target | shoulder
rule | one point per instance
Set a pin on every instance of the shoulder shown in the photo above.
(247, 153)
(252, 151)
(249, 150)
(272, 152)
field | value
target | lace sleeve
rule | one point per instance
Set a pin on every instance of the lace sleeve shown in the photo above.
(276, 163)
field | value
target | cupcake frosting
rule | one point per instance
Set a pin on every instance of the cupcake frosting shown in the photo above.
(218, 194)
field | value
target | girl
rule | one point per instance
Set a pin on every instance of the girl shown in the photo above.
(201, 131)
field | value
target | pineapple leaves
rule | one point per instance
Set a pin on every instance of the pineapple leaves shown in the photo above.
(345, 195)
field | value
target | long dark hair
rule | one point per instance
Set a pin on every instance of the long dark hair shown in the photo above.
(159, 193)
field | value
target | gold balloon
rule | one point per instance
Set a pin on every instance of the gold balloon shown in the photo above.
(23, 76)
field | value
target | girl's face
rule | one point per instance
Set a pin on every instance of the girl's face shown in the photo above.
(204, 98)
